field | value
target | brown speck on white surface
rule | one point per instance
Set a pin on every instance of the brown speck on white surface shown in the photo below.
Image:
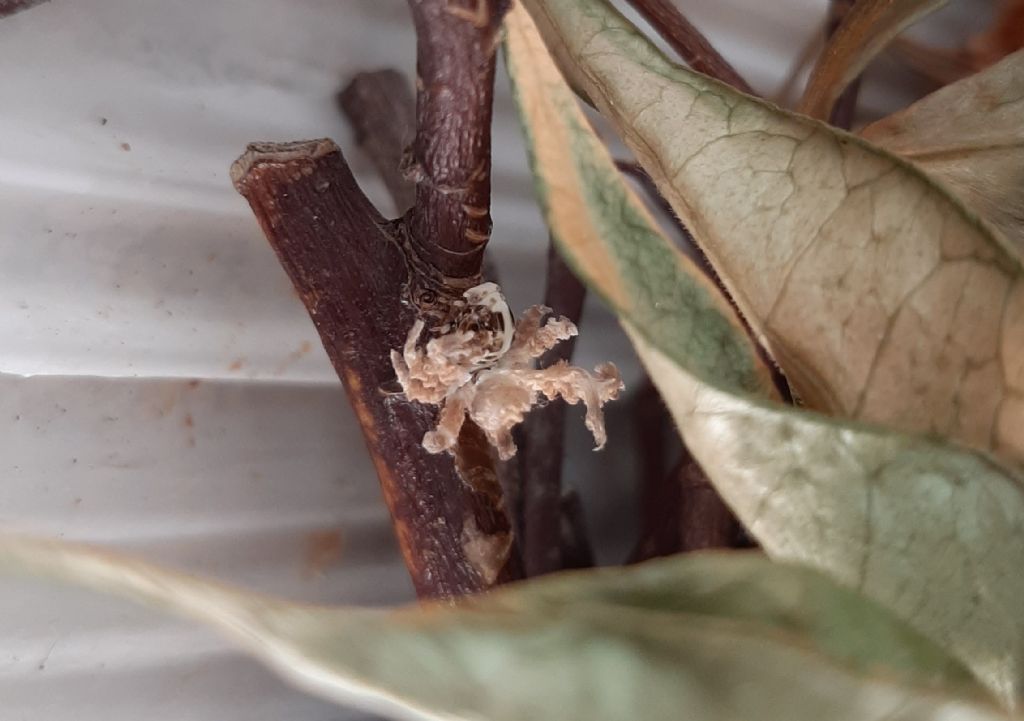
(323, 549)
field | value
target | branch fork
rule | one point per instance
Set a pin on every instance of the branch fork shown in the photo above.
(365, 281)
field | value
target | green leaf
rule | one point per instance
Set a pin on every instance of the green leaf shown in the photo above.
(880, 296)
(720, 637)
(790, 599)
(970, 136)
(865, 31)
(933, 532)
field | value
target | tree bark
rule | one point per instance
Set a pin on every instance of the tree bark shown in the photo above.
(450, 222)
(349, 267)
(365, 281)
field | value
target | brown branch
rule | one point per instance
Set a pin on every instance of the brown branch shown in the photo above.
(544, 440)
(657, 440)
(451, 156)
(350, 269)
(576, 549)
(705, 521)
(685, 513)
(689, 42)
(364, 281)
(381, 109)
(845, 108)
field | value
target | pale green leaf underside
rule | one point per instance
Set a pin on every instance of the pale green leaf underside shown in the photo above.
(880, 296)
(721, 637)
(929, 530)
(865, 31)
(745, 586)
(934, 533)
(970, 136)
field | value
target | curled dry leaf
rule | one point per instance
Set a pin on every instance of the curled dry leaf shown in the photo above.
(485, 370)
(970, 136)
(722, 637)
(879, 294)
(865, 31)
(932, 531)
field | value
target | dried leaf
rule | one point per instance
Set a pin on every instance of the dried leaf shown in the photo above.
(720, 637)
(582, 194)
(970, 136)
(881, 297)
(865, 31)
(934, 532)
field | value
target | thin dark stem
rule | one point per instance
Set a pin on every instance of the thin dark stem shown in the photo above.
(689, 42)
(657, 444)
(381, 108)
(657, 440)
(349, 267)
(576, 549)
(685, 513)
(705, 521)
(845, 109)
(450, 222)
(544, 438)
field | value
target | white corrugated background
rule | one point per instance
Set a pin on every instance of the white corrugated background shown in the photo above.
(161, 388)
